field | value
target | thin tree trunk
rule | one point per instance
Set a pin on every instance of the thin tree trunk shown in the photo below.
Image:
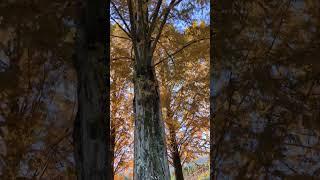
(92, 125)
(175, 155)
(177, 165)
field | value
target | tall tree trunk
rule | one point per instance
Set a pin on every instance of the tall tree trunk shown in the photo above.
(150, 153)
(221, 21)
(92, 125)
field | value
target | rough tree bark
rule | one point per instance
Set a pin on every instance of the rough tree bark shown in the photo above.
(92, 124)
(150, 154)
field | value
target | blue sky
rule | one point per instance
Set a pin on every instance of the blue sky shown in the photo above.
(199, 14)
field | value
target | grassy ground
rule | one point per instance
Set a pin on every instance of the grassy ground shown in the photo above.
(195, 172)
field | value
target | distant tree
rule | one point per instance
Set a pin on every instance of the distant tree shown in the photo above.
(121, 101)
(184, 87)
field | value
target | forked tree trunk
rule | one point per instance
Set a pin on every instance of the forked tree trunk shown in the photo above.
(91, 129)
(150, 153)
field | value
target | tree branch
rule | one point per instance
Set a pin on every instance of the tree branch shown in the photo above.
(121, 17)
(166, 14)
(119, 58)
(123, 29)
(121, 37)
(154, 18)
(179, 50)
(133, 27)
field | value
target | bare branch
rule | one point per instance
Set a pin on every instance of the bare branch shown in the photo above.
(154, 18)
(124, 30)
(163, 22)
(133, 27)
(121, 17)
